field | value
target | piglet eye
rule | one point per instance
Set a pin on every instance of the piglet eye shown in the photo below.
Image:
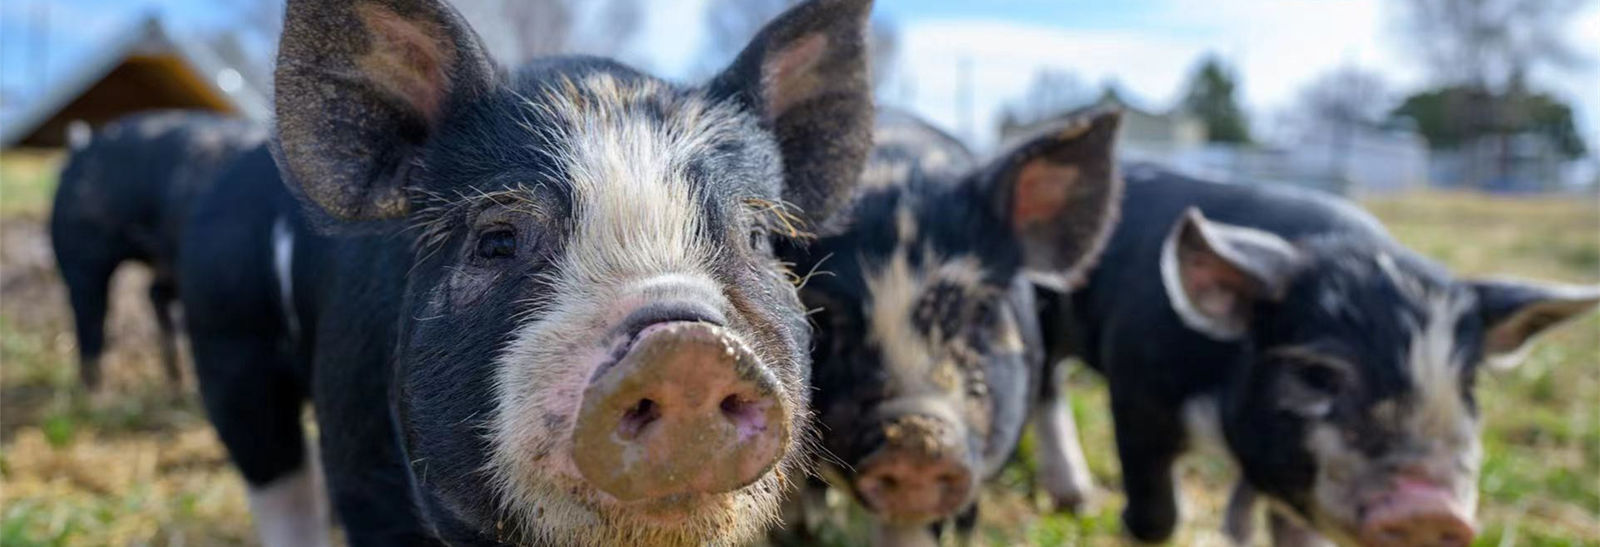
(1321, 377)
(499, 243)
(758, 239)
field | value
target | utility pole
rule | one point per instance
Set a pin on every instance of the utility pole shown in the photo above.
(964, 117)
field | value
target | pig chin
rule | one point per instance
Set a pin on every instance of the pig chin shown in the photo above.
(570, 512)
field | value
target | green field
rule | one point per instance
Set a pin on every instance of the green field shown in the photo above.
(138, 465)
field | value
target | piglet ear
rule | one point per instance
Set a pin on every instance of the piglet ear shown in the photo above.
(1515, 312)
(1060, 193)
(360, 87)
(805, 75)
(1216, 273)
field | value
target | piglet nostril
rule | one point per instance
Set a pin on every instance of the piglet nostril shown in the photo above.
(732, 406)
(637, 418)
(951, 482)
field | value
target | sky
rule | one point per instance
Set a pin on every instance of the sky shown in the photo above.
(1145, 47)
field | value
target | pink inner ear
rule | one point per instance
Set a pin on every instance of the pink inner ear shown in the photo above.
(1215, 287)
(1043, 190)
(408, 59)
(790, 77)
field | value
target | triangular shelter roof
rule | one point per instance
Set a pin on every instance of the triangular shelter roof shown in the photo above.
(144, 67)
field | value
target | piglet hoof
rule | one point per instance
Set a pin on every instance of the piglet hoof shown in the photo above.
(1082, 502)
(1150, 526)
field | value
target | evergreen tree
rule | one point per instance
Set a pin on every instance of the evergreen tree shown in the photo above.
(1211, 98)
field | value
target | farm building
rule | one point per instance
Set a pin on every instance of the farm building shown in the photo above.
(1365, 161)
(1144, 136)
(144, 67)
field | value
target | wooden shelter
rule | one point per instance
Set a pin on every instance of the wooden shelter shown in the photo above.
(145, 67)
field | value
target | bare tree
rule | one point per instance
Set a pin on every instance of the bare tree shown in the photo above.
(260, 19)
(1482, 52)
(1050, 92)
(615, 23)
(1347, 96)
(516, 31)
(1492, 44)
(249, 43)
(540, 27)
(884, 42)
(1338, 105)
(731, 23)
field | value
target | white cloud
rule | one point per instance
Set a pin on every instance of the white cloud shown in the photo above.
(1277, 47)
(672, 36)
(1003, 56)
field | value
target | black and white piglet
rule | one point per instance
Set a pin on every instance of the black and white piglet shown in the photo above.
(546, 309)
(1334, 365)
(123, 195)
(927, 356)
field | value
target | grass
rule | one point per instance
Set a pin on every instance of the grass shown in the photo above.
(139, 466)
(27, 181)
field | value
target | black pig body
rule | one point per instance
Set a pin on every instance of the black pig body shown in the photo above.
(123, 196)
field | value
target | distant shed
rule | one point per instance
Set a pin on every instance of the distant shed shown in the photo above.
(142, 68)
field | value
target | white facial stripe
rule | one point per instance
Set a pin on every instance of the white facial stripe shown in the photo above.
(1435, 368)
(1336, 491)
(1439, 420)
(896, 287)
(905, 224)
(637, 227)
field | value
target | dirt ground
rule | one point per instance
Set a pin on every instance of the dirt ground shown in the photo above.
(134, 465)
(138, 464)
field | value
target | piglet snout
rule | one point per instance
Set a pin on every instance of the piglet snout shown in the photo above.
(688, 409)
(1417, 513)
(918, 476)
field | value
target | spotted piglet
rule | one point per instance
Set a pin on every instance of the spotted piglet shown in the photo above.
(928, 361)
(1288, 329)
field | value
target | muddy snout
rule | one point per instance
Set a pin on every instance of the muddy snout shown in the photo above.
(687, 410)
(1415, 513)
(919, 474)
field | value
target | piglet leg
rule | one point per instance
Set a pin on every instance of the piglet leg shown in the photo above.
(1062, 468)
